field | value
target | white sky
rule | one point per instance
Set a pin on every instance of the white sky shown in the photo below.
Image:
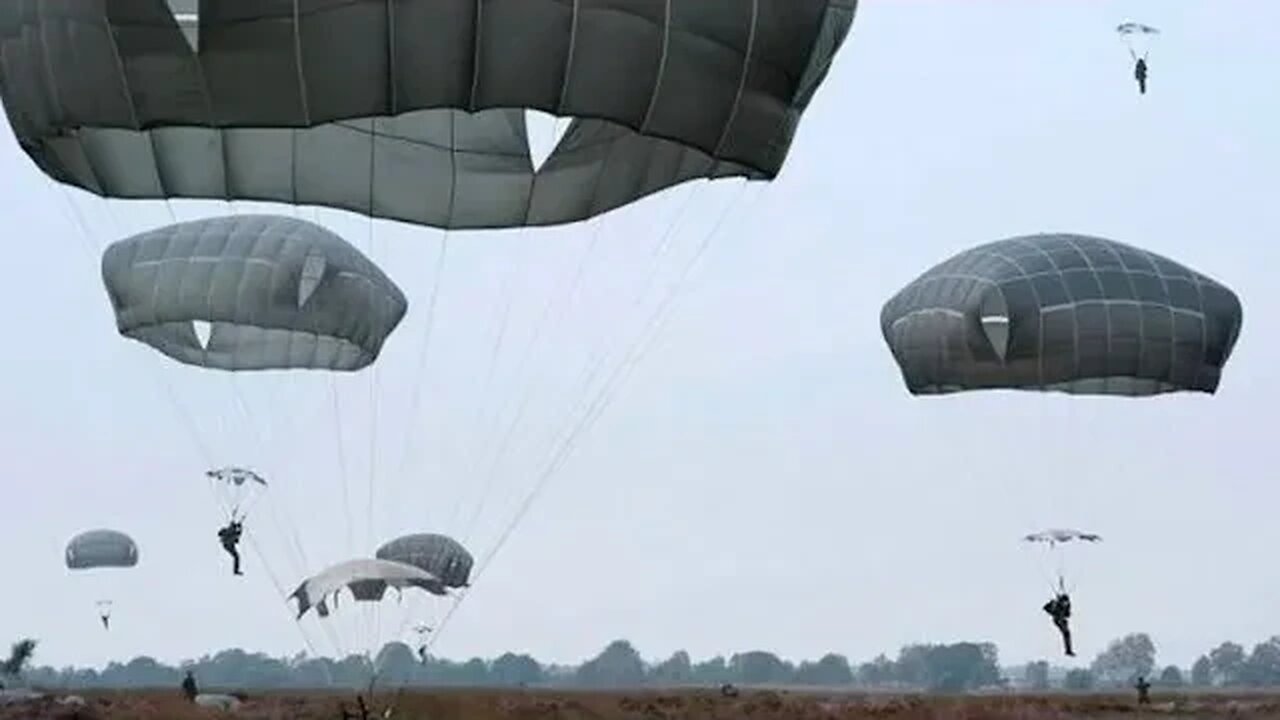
(763, 480)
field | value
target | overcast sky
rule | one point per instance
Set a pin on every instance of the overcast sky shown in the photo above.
(763, 479)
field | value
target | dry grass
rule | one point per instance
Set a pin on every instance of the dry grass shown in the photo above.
(660, 705)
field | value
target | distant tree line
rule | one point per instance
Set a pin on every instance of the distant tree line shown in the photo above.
(1228, 665)
(955, 667)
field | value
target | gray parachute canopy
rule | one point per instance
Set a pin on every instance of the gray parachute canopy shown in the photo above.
(1053, 536)
(439, 555)
(412, 110)
(1062, 312)
(101, 549)
(237, 476)
(274, 293)
(367, 580)
(1131, 28)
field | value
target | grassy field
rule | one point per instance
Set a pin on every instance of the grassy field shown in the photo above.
(693, 705)
(659, 705)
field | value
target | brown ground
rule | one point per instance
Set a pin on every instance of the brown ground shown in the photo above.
(666, 705)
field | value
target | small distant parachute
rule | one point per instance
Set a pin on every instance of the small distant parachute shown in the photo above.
(1131, 28)
(1053, 539)
(1059, 535)
(252, 292)
(366, 579)
(440, 555)
(1128, 28)
(236, 476)
(1137, 37)
(101, 549)
(235, 488)
(1061, 312)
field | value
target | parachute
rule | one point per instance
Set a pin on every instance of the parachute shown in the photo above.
(366, 580)
(1055, 536)
(101, 549)
(236, 476)
(422, 113)
(1137, 37)
(439, 555)
(413, 111)
(96, 550)
(1053, 539)
(442, 557)
(273, 293)
(1061, 312)
(236, 488)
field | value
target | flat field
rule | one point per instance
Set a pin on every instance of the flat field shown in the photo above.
(474, 704)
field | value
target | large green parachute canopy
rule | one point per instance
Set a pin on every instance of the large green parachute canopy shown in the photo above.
(365, 578)
(412, 110)
(440, 555)
(252, 292)
(101, 549)
(1061, 312)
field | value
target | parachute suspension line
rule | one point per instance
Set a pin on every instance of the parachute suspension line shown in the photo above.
(669, 233)
(86, 236)
(94, 249)
(617, 378)
(570, 291)
(372, 370)
(340, 448)
(604, 398)
(286, 529)
(483, 419)
(602, 355)
(590, 371)
(267, 441)
(373, 377)
(1053, 570)
(415, 395)
(266, 565)
(640, 349)
(373, 615)
(489, 420)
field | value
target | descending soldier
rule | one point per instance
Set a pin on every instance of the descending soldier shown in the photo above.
(1059, 608)
(230, 538)
(1137, 36)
